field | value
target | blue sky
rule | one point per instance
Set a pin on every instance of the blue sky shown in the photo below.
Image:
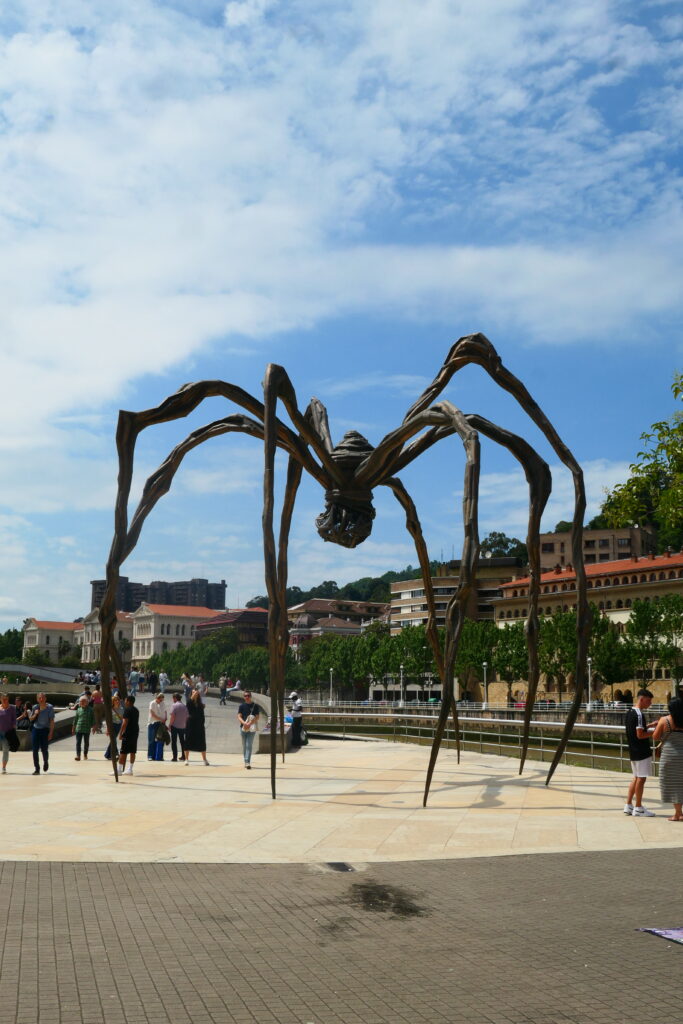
(193, 190)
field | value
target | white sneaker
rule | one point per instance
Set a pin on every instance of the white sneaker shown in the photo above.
(4, 770)
(128, 771)
(628, 808)
(642, 812)
(205, 762)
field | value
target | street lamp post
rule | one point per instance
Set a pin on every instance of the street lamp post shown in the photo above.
(401, 701)
(590, 668)
(485, 665)
(331, 678)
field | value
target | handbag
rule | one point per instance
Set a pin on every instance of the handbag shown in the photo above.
(12, 740)
(162, 735)
(250, 724)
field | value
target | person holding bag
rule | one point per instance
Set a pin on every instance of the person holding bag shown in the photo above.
(8, 725)
(247, 716)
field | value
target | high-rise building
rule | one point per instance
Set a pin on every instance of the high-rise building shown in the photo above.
(129, 596)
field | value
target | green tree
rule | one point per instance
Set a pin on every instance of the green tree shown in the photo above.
(557, 646)
(499, 545)
(510, 655)
(35, 657)
(477, 644)
(11, 645)
(671, 623)
(653, 493)
(612, 659)
(644, 636)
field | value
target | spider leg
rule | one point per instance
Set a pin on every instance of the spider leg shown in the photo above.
(476, 348)
(538, 477)
(275, 383)
(447, 415)
(130, 425)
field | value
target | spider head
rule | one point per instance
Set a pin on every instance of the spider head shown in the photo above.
(347, 518)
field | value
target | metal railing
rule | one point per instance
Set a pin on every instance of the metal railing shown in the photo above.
(591, 745)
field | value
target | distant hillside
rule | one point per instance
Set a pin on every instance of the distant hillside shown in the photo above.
(369, 588)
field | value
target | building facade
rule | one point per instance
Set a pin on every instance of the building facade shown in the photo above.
(612, 587)
(129, 596)
(409, 603)
(598, 545)
(89, 636)
(251, 625)
(48, 638)
(165, 627)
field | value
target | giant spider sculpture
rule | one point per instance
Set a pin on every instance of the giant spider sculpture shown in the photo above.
(348, 473)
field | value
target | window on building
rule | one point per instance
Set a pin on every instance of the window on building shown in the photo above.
(589, 543)
(605, 557)
(623, 542)
(47, 640)
(548, 548)
(604, 542)
(589, 558)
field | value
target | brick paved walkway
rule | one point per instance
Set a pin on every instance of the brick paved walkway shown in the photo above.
(538, 939)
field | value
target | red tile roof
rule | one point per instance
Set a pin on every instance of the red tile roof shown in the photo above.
(44, 624)
(185, 611)
(642, 563)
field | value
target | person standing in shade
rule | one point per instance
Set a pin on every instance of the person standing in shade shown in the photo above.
(640, 751)
(97, 704)
(130, 730)
(195, 732)
(297, 718)
(157, 716)
(116, 719)
(133, 680)
(247, 716)
(8, 720)
(178, 724)
(84, 724)
(43, 727)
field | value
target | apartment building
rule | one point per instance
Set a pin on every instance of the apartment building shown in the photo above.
(409, 604)
(598, 545)
(129, 596)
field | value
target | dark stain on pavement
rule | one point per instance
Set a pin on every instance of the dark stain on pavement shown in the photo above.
(385, 899)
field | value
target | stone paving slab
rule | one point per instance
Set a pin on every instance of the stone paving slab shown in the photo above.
(357, 802)
(546, 939)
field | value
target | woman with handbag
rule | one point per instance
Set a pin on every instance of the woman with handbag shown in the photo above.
(247, 716)
(669, 732)
(8, 725)
(195, 732)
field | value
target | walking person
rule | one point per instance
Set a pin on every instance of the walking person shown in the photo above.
(669, 732)
(157, 716)
(223, 688)
(130, 730)
(640, 751)
(195, 732)
(43, 727)
(178, 724)
(297, 719)
(8, 722)
(247, 716)
(187, 686)
(83, 725)
(164, 681)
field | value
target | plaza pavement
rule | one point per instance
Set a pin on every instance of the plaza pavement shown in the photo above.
(187, 895)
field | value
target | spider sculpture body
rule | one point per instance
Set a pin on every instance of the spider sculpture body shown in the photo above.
(349, 472)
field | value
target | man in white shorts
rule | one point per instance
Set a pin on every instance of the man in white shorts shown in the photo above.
(640, 752)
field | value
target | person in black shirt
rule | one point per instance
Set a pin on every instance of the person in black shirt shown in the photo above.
(247, 716)
(640, 752)
(130, 730)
